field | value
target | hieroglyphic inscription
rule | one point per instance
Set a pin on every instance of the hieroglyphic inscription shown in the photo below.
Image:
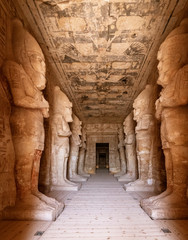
(2, 145)
(2, 35)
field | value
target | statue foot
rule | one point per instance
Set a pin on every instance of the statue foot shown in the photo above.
(119, 173)
(70, 183)
(171, 200)
(31, 201)
(126, 177)
(52, 202)
(78, 178)
(153, 198)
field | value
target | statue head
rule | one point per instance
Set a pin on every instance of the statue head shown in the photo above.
(62, 105)
(143, 103)
(28, 53)
(173, 53)
(76, 125)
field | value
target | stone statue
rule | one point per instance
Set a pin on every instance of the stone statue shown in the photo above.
(145, 139)
(62, 115)
(82, 154)
(130, 147)
(25, 73)
(75, 143)
(172, 110)
(121, 148)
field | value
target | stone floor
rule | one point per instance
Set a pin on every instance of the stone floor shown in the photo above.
(101, 210)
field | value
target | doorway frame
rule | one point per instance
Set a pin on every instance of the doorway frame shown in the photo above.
(114, 159)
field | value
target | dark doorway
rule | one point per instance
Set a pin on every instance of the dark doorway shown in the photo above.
(102, 155)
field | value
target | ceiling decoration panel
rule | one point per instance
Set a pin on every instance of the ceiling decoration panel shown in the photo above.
(102, 50)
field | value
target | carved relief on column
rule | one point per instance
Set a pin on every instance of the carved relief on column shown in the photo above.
(172, 110)
(82, 155)
(146, 140)
(130, 149)
(7, 155)
(25, 73)
(62, 116)
(121, 148)
(75, 144)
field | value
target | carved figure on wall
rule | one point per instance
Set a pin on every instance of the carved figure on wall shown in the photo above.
(25, 73)
(75, 144)
(82, 155)
(7, 156)
(172, 110)
(62, 115)
(121, 148)
(145, 139)
(130, 147)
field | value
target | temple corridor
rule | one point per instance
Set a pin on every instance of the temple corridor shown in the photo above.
(101, 210)
(93, 119)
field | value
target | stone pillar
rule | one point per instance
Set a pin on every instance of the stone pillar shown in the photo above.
(82, 155)
(121, 148)
(7, 155)
(130, 149)
(25, 73)
(62, 115)
(144, 114)
(75, 143)
(172, 110)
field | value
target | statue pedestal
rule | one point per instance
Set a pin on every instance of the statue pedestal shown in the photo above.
(139, 185)
(119, 174)
(75, 187)
(165, 213)
(126, 178)
(25, 211)
(78, 179)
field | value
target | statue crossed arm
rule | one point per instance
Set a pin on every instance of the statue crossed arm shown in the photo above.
(24, 94)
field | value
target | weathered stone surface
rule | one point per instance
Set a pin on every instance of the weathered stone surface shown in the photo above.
(121, 148)
(105, 48)
(62, 115)
(75, 144)
(26, 77)
(130, 147)
(7, 157)
(146, 141)
(172, 109)
(82, 154)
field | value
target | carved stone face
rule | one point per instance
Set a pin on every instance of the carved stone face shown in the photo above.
(62, 105)
(68, 113)
(28, 53)
(38, 67)
(76, 125)
(172, 56)
(167, 67)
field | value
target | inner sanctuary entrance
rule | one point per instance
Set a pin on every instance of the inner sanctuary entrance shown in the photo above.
(102, 155)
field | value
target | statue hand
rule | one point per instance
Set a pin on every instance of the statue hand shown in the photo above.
(159, 108)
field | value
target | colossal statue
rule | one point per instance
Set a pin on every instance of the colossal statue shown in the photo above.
(172, 110)
(62, 115)
(82, 154)
(130, 147)
(25, 73)
(145, 139)
(75, 144)
(121, 148)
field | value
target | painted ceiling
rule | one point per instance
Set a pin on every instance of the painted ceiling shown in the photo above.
(103, 51)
